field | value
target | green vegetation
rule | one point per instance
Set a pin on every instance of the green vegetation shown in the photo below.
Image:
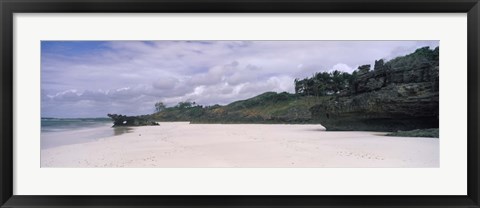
(417, 133)
(324, 83)
(420, 58)
(269, 107)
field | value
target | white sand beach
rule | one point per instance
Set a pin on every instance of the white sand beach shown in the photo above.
(180, 144)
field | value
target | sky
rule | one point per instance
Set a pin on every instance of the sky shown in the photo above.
(81, 79)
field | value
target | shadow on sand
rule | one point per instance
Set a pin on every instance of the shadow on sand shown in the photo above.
(315, 129)
(121, 130)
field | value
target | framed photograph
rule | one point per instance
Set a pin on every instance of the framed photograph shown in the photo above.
(267, 103)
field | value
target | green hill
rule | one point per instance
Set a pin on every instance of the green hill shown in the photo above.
(269, 107)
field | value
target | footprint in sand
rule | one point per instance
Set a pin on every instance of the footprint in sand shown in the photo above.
(360, 155)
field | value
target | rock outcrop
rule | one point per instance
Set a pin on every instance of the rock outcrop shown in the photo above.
(122, 120)
(401, 94)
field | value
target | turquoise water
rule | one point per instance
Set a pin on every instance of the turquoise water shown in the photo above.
(66, 124)
(64, 131)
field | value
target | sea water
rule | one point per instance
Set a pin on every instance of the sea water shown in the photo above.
(66, 124)
(64, 131)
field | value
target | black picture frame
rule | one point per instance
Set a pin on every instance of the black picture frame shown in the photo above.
(9, 7)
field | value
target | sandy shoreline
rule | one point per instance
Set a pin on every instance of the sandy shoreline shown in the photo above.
(172, 145)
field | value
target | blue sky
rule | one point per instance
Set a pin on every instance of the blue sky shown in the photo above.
(93, 78)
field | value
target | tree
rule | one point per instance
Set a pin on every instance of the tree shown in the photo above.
(364, 68)
(159, 106)
(298, 86)
(185, 104)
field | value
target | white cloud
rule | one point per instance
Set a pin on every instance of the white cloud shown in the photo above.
(343, 67)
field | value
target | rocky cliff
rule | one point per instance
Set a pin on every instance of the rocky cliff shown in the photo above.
(401, 94)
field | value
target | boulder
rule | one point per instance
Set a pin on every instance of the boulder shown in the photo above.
(123, 120)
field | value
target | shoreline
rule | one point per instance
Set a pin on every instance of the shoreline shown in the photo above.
(51, 139)
(184, 145)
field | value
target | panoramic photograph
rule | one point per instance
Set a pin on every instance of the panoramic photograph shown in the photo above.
(240, 104)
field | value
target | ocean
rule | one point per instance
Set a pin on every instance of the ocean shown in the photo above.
(64, 131)
(67, 124)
